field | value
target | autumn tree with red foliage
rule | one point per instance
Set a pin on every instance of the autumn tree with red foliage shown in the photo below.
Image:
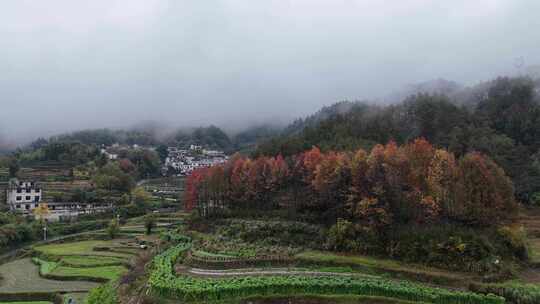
(192, 185)
(413, 183)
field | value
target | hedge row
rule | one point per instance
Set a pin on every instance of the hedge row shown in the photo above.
(198, 261)
(32, 296)
(104, 294)
(522, 293)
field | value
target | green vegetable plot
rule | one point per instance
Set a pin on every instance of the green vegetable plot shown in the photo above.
(165, 283)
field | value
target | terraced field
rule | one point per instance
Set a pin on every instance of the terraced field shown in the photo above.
(103, 272)
(91, 261)
(374, 265)
(22, 276)
(86, 248)
(95, 260)
(78, 266)
(73, 268)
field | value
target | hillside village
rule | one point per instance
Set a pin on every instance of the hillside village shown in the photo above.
(183, 161)
(50, 190)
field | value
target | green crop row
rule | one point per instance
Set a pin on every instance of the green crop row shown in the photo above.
(172, 236)
(514, 293)
(165, 283)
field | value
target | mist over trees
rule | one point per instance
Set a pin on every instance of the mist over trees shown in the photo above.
(211, 137)
(501, 120)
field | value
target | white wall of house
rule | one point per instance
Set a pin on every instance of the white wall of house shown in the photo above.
(24, 197)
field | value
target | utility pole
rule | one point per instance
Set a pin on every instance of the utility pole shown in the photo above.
(45, 232)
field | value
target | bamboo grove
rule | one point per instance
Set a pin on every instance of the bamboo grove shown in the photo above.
(391, 184)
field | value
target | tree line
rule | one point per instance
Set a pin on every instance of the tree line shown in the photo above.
(415, 183)
(500, 119)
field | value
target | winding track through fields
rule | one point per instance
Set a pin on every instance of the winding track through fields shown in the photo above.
(264, 271)
(23, 276)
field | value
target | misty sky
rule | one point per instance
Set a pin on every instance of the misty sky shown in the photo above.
(67, 64)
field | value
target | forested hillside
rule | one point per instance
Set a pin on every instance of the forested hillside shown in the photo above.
(500, 118)
(400, 201)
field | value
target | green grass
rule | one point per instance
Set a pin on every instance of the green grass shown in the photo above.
(372, 265)
(45, 267)
(534, 245)
(111, 272)
(336, 269)
(202, 253)
(79, 248)
(91, 261)
(105, 272)
(326, 257)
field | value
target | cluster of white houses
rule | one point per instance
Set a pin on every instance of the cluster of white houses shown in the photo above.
(24, 197)
(184, 161)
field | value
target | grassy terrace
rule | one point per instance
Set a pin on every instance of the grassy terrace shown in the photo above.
(377, 266)
(23, 276)
(80, 260)
(57, 269)
(105, 272)
(81, 249)
(92, 261)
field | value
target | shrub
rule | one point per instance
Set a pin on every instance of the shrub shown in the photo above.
(149, 223)
(64, 229)
(448, 246)
(513, 293)
(113, 229)
(104, 294)
(516, 240)
(535, 199)
(274, 232)
(342, 236)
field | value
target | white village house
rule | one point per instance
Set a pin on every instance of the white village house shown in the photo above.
(185, 161)
(25, 196)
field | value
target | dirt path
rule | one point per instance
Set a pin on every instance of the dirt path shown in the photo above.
(23, 276)
(262, 272)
